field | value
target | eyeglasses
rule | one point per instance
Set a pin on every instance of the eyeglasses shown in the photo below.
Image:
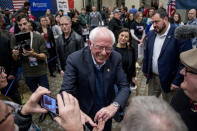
(189, 71)
(7, 115)
(2, 69)
(101, 48)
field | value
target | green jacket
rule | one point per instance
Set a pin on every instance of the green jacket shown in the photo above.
(84, 19)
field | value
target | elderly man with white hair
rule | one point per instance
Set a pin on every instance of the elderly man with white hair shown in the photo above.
(90, 76)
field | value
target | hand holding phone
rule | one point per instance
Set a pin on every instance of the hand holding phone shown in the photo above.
(50, 104)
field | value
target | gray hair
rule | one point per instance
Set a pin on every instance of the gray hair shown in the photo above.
(99, 30)
(148, 113)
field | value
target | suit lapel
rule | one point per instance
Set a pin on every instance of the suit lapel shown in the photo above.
(167, 41)
(91, 71)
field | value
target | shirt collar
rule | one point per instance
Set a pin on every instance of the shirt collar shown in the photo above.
(166, 33)
(97, 65)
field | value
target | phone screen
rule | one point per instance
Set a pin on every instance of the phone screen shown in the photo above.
(49, 103)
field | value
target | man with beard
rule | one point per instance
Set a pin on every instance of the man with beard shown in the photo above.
(161, 63)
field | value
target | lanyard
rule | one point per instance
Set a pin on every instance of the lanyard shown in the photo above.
(31, 42)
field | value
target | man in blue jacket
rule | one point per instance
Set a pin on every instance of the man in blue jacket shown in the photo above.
(161, 63)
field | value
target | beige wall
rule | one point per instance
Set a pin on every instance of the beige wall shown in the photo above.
(78, 4)
(109, 3)
(129, 3)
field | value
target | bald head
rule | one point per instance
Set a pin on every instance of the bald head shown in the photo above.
(192, 14)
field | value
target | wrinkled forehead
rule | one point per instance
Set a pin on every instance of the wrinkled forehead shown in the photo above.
(103, 37)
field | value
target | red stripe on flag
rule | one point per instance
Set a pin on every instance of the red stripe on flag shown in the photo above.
(18, 3)
(171, 9)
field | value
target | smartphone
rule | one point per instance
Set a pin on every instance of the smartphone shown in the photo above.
(50, 104)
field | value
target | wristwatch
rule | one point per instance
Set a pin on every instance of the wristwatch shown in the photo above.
(116, 104)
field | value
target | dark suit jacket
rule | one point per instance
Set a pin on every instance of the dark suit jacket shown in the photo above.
(169, 65)
(6, 56)
(79, 79)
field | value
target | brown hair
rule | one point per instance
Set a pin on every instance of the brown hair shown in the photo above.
(130, 38)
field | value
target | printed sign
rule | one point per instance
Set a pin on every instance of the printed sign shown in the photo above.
(39, 5)
(63, 5)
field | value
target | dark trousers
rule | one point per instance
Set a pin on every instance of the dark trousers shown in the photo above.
(34, 82)
(51, 60)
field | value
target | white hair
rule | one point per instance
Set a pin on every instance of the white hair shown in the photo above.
(148, 113)
(96, 31)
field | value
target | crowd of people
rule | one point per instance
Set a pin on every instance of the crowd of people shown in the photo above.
(97, 54)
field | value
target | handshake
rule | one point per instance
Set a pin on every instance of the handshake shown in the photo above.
(69, 112)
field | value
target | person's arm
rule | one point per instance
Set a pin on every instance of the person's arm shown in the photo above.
(133, 35)
(23, 121)
(123, 85)
(23, 117)
(184, 45)
(42, 50)
(70, 77)
(58, 51)
(40, 56)
(68, 85)
(143, 35)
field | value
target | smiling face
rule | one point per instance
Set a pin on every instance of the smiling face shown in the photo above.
(123, 38)
(176, 17)
(189, 85)
(101, 46)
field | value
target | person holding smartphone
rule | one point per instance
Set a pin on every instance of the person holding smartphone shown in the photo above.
(17, 117)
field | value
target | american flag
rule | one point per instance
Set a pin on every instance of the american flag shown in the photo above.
(171, 9)
(11, 4)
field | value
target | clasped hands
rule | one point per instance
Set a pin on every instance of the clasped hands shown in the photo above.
(102, 116)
